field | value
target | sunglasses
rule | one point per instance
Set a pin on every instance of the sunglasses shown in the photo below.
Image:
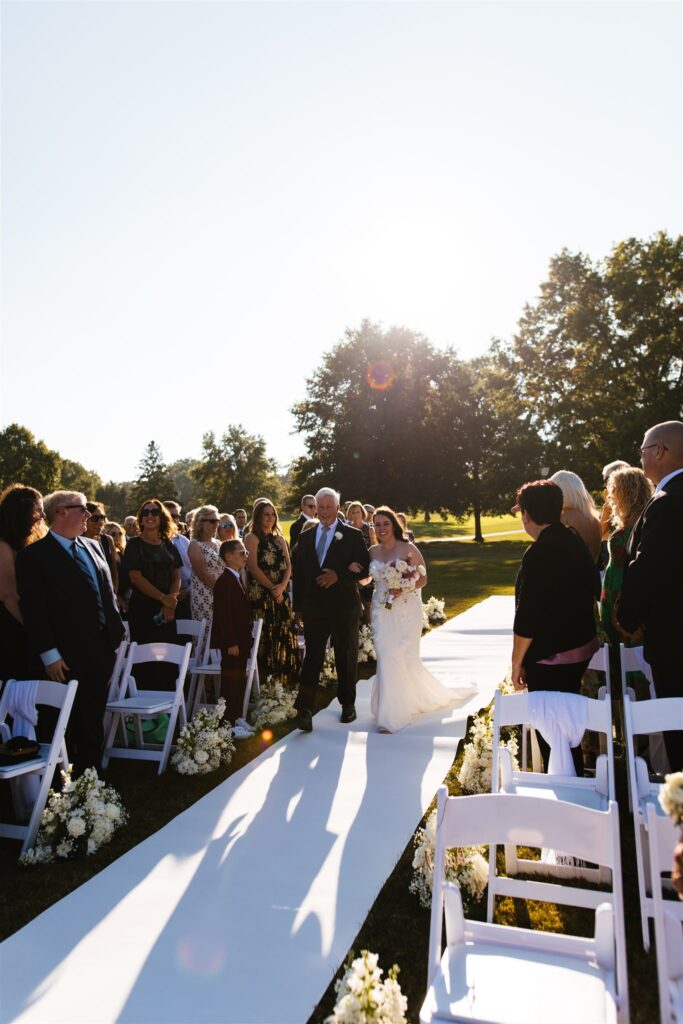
(224, 525)
(150, 512)
(96, 517)
(212, 521)
(81, 507)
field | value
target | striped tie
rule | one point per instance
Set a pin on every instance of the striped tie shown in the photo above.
(320, 547)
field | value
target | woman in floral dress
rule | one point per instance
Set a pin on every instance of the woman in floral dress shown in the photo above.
(205, 561)
(268, 572)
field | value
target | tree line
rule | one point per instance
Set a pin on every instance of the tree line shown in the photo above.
(596, 358)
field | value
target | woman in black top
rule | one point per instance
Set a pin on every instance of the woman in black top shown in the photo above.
(153, 567)
(554, 630)
(94, 530)
(21, 522)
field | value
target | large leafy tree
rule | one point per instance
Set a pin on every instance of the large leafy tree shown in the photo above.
(118, 499)
(27, 461)
(153, 479)
(366, 419)
(234, 469)
(188, 490)
(75, 477)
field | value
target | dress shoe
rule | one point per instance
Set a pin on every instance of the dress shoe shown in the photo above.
(304, 720)
(348, 713)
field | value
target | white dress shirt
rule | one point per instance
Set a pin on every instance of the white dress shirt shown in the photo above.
(665, 480)
(328, 540)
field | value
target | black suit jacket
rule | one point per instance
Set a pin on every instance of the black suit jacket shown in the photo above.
(59, 606)
(295, 530)
(652, 591)
(309, 598)
(232, 616)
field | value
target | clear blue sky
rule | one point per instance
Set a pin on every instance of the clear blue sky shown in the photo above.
(198, 198)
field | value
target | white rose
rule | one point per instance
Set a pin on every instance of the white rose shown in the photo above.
(201, 756)
(113, 811)
(338, 535)
(76, 827)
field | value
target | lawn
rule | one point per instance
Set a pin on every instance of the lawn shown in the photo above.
(439, 528)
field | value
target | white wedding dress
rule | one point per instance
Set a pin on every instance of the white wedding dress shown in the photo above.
(403, 688)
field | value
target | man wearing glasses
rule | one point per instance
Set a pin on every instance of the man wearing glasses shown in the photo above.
(652, 592)
(69, 609)
(307, 512)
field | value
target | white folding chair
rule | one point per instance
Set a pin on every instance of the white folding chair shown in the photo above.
(668, 917)
(55, 695)
(600, 663)
(200, 632)
(633, 660)
(140, 704)
(506, 975)
(512, 710)
(212, 670)
(644, 717)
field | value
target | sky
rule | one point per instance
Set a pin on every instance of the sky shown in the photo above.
(198, 198)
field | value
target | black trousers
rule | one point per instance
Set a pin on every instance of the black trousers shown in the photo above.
(562, 678)
(343, 628)
(667, 675)
(233, 684)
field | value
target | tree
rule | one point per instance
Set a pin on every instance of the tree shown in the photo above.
(27, 461)
(117, 499)
(366, 420)
(74, 477)
(153, 480)
(234, 470)
(187, 488)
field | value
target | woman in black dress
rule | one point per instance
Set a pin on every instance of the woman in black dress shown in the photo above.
(152, 564)
(21, 522)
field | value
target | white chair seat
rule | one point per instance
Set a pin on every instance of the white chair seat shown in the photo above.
(541, 986)
(150, 705)
(572, 791)
(11, 771)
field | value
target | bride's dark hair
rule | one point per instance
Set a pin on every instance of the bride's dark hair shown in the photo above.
(384, 510)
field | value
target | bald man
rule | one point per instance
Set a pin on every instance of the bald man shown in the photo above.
(652, 593)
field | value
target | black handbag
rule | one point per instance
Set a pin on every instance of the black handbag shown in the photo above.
(18, 749)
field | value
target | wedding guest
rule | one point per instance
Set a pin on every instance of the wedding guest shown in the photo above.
(606, 513)
(205, 561)
(554, 627)
(408, 534)
(652, 590)
(130, 525)
(118, 536)
(21, 523)
(181, 544)
(189, 516)
(268, 573)
(94, 527)
(578, 510)
(628, 492)
(240, 515)
(227, 528)
(68, 605)
(356, 518)
(307, 513)
(231, 630)
(369, 512)
(153, 567)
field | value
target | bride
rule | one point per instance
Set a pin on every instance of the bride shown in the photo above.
(403, 687)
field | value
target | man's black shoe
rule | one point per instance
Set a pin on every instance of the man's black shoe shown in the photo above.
(348, 713)
(304, 720)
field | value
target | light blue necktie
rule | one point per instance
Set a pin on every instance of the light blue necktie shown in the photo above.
(80, 559)
(320, 547)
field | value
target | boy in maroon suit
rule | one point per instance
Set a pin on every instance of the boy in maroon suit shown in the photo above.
(231, 629)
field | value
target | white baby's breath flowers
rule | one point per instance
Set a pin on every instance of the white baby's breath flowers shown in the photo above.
(475, 773)
(362, 996)
(465, 866)
(274, 704)
(205, 743)
(671, 797)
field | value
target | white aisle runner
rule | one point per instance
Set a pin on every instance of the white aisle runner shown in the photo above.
(240, 910)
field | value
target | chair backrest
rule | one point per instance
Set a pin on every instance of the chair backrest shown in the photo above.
(648, 716)
(600, 663)
(633, 660)
(55, 695)
(170, 654)
(668, 914)
(117, 672)
(255, 639)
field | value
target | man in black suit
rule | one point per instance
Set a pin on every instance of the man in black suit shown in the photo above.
(326, 597)
(652, 592)
(307, 512)
(69, 609)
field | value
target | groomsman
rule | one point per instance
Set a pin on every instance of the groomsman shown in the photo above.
(307, 512)
(69, 609)
(652, 593)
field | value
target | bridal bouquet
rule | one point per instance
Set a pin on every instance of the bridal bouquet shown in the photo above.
(362, 996)
(80, 819)
(396, 575)
(274, 704)
(465, 866)
(671, 797)
(204, 744)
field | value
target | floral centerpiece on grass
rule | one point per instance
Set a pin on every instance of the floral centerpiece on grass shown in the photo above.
(274, 704)
(362, 996)
(80, 819)
(204, 743)
(396, 575)
(433, 611)
(465, 866)
(671, 797)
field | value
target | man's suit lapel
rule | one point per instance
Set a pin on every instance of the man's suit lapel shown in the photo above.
(65, 560)
(634, 539)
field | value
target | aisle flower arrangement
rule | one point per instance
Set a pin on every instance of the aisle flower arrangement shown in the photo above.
(465, 866)
(362, 996)
(80, 819)
(328, 675)
(366, 645)
(671, 797)
(476, 769)
(204, 743)
(274, 704)
(433, 611)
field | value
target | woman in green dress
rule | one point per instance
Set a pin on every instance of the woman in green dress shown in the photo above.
(268, 572)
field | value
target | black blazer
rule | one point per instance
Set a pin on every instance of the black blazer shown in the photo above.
(309, 598)
(59, 606)
(652, 591)
(554, 594)
(295, 530)
(232, 616)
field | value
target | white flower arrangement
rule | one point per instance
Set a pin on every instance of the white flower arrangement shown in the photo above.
(80, 819)
(466, 866)
(204, 744)
(433, 611)
(396, 575)
(366, 645)
(476, 769)
(274, 704)
(362, 996)
(328, 675)
(671, 797)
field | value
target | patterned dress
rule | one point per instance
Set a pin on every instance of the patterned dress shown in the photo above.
(278, 655)
(201, 596)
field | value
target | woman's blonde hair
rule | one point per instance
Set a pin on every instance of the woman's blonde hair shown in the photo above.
(574, 492)
(628, 492)
(353, 505)
(197, 528)
(109, 528)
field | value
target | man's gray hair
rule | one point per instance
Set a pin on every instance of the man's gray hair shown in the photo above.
(58, 499)
(611, 467)
(328, 492)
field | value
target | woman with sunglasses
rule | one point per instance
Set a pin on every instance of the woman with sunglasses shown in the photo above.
(205, 561)
(94, 528)
(227, 528)
(153, 567)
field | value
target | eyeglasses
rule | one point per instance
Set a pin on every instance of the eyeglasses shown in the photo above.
(82, 508)
(150, 512)
(657, 444)
(212, 521)
(225, 525)
(96, 517)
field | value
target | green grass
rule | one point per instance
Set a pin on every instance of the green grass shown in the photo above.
(440, 528)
